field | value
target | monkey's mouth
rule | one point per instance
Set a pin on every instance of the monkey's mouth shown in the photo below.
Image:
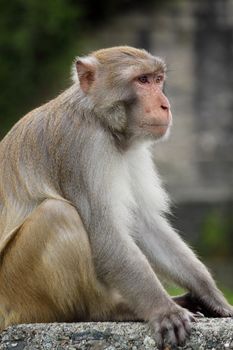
(154, 125)
(162, 125)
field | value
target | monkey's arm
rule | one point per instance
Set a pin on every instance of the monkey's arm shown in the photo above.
(169, 255)
(121, 264)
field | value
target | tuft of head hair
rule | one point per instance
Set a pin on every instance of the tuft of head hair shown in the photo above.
(113, 53)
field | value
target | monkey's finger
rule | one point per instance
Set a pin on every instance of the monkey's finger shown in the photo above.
(168, 331)
(180, 329)
(198, 314)
(187, 326)
(156, 329)
(191, 317)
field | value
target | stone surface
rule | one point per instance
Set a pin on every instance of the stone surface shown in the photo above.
(213, 334)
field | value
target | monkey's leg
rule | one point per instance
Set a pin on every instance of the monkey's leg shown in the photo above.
(47, 273)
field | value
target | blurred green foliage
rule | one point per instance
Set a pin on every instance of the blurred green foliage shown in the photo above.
(215, 236)
(36, 44)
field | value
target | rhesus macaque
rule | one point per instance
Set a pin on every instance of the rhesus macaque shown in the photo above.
(83, 231)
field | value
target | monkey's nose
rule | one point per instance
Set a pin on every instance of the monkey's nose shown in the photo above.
(164, 107)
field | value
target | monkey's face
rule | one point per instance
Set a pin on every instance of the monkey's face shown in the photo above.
(125, 87)
(151, 114)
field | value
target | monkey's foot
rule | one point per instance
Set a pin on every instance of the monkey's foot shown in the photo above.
(205, 306)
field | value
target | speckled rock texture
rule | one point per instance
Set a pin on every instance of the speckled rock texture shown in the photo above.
(213, 334)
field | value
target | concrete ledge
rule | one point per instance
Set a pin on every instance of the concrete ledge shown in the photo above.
(213, 334)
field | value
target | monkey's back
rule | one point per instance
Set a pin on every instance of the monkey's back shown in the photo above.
(25, 176)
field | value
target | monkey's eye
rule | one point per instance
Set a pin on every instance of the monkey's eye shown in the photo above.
(159, 79)
(143, 79)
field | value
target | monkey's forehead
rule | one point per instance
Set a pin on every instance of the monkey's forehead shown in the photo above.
(126, 55)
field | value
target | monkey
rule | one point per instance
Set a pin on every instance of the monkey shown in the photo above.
(84, 232)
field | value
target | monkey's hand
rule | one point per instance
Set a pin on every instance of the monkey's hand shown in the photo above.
(171, 325)
(206, 306)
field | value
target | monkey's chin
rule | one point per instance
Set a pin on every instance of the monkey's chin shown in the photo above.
(158, 132)
(161, 136)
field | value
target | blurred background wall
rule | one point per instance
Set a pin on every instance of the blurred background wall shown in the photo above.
(39, 39)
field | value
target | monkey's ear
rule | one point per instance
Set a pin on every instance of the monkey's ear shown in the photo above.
(86, 70)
